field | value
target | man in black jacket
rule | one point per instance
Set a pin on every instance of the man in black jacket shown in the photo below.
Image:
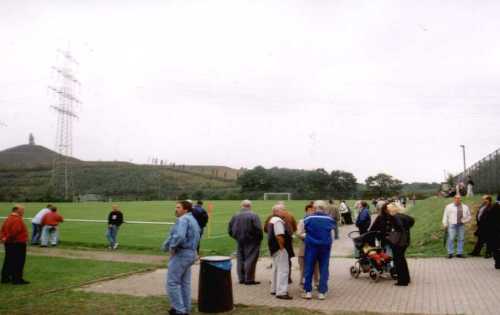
(493, 226)
(246, 229)
(115, 219)
(482, 228)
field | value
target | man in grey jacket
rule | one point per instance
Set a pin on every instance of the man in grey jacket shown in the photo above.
(246, 229)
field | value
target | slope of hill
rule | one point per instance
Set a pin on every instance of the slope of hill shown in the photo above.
(28, 156)
(26, 171)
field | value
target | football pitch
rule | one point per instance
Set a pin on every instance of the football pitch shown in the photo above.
(149, 236)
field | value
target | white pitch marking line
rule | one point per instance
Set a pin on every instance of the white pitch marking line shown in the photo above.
(105, 221)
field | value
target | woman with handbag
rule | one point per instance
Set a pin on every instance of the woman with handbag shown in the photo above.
(394, 228)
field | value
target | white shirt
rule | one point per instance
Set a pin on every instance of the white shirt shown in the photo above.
(450, 214)
(37, 219)
(343, 208)
(278, 225)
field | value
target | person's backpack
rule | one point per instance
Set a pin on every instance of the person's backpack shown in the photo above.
(201, 216)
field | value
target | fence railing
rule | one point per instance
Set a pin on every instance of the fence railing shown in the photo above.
(485, 174)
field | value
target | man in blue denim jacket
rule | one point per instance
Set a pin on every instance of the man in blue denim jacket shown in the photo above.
(181, 244)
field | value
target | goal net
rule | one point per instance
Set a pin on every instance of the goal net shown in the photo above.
(278, 196)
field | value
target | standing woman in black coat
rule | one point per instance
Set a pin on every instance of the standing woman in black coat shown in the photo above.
(394, 228)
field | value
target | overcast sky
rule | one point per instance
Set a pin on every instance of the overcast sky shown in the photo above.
(362, 86)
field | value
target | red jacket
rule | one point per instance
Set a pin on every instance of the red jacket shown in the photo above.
(52, 218)
(14, 230)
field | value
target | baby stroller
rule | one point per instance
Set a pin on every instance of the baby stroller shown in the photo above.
(371, 259)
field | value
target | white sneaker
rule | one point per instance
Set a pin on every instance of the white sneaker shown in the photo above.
(115, 246)
(307, 295)
(321, 296)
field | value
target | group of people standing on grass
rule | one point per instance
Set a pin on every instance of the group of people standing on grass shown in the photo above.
(457, 214)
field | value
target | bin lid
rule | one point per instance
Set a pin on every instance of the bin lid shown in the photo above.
(215, 258)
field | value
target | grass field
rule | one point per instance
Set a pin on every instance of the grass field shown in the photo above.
(147, 237)
(427, 234)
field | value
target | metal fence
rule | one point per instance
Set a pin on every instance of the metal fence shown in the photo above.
(485, 174)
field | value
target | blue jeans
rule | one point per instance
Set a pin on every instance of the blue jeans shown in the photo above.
(179, 279)
(50, 234)
(111, 234)
(317, 254)
(36, 233)
(456, 231)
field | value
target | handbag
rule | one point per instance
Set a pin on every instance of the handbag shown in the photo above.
(397, 238)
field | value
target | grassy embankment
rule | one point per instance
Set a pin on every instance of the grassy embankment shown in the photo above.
(427, 234)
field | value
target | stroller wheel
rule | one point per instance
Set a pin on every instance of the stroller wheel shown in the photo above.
(374, 275)
(355, 271)
(393, 273)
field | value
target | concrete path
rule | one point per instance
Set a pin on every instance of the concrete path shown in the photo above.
(439, 286)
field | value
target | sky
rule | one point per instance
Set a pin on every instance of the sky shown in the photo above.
(362, 86)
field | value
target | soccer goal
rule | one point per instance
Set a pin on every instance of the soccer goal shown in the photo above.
(278, 196)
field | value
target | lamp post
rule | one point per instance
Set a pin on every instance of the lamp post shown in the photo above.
(463, 152)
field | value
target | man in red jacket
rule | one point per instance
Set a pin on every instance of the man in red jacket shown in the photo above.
(50, 230)
(14, 235)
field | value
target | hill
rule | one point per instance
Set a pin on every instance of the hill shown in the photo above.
(26, 173)
(28, 156)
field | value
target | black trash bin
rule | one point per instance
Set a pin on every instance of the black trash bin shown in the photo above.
(215, 288)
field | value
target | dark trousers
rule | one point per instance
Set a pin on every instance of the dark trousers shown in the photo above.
(481, 241)
(247, 256)
(494, 246)
(400, 264)
(36, 234)
(13, 264)
(496, 256)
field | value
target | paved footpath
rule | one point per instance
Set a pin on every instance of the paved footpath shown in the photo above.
(439, 286)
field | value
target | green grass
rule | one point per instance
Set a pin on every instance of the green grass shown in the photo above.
(142, 237)
(427, 234)
(52, 274)
(81, 303)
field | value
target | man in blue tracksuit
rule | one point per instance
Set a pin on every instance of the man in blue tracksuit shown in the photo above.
(182, 243)
(318, 227)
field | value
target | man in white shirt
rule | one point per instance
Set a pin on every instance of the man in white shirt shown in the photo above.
(280, 243)
(455, 215)
(37, 225)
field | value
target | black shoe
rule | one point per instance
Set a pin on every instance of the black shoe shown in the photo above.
(272, 293)
(20, 282)
(450, 256)
(241, 282)
(173, 311)
(252, 282)
(474, 254)
(460, 256)
(399, 284)
(284, 297)
(487, 256)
